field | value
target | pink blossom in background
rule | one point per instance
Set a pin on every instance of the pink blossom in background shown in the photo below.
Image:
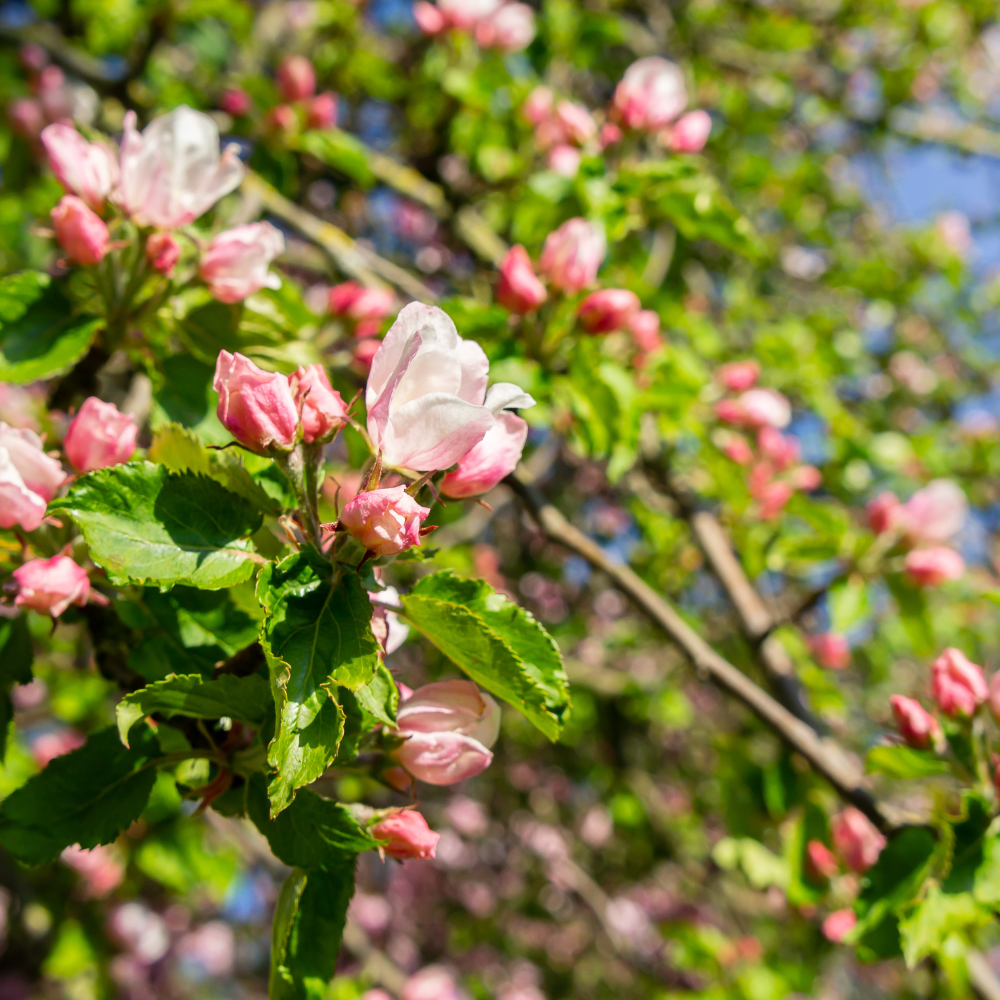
(576, 121)
(466, 14)
(564, 160)
(651, 94)
(806, 478)
(429, 19)
(932, 567)
(608, 310)
(426, 396)
(822, 859)
(885, 513)
(644, 326)
(50, 586)
(283, 118)
(26, 117)
(360, 302)
(432, 983)
(80, 231)
(255, 406)
(235, 101)
(915, 724)
(954, 232)
(610, 135)
(210, 949)
(690, 132)
(537, 105)
(364, 353)
(29, 478)
(779, 449)
(101, 868)
(385, 521)
(511, 28)
(756, 408)
(737, 449)
(236, 262)
(54, 744)
(957, 684)
(321, 112)
(408, 834)
(572, 255)
(86, 169)
(99, 436)
(496, 456)
(320, 406)
(772, 497)
(296, 78)
(519, 289)
(856, 839)
(738, 376)
(163, 252)
(935, 513)
(839, 924)
(832, 650)
(173, 172)
(143, 931)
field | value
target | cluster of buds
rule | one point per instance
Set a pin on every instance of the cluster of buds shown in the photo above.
(924, 524)
(53, 100)
(776, 470)
(562, 130)
(508, 27)
(301, 106)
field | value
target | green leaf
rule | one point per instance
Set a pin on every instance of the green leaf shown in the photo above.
(242, 699)
(968, 835)
(317, 636)
(339, 150)
(913, 612)
(85, 797)
(934, 919)
(904, 762)
(308, 926)
(15, 668)
(144, 524)
(986, 886)
(181, 450)
(379, 698)
(312, 832)
(498, 644)
(39, 335)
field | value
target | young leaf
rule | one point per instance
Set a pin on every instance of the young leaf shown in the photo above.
(904, 762)
(145, 524)
(242, 699)
(39, 335)
(317, 636)
(498, 644)
(937, 916)
(85, 797)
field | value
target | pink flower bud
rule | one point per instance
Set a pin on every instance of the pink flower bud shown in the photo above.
(322, 111)
(466, 14)
(26, 117)
(320, 405)
(645, 329)
(738, 376)
(519, 289)
(443, 758)
(495, 457)
(99, 436)
(756, 408)
(564, 160)
(436, 983)
(781, 450)
(651, 94)
(822, 859)
(839, 924)
(296, 79)
(364, 352)
(572, 255)
(451, 706)
(608, 310)
(611, 135)
(936, 512)
(236, 262)
(831, 649)
(690, 133)
(737, 449)
(255, 406)
(408, 834)
(511, 28)
(87, 169)
(29, 478)
(163, 252)
(577, 122)
(537, 105)
(915, 724)
(282, 118)
(856, 839)
(80, 232)
(931, 567)
(361, 302)
(772, 498)
(429, 19)
(885, 513)
(957, 684)
(235, 101)
(50, 586)
(384, 521)
(806, 477)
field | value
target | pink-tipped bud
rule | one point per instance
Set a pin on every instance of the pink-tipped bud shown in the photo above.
(572, 255)
(320, 405)
(429, 19)
(364, 352)
(839, 924)
(163, 251)
(518, 289)
(408, 834)
(856, 839)
(651, 94)
(50, 586)
(99, 436)
(885, 513)
(564, 160)
(690, 132)
(236, 262)
(738, 376)
(821, 859)
(831, 649)
(87, 169)
(608, 310)
(296, 79)
(255, 406)
(645, 329)
(322, 111)
(385, 521)
(443, 758)
(957, 684)
(737, 449)
(495, 457)
(932, 567)
(80, 231)
(537, 106)
(235, 101)
(915, 724)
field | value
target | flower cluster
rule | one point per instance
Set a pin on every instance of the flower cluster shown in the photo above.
(495, 24)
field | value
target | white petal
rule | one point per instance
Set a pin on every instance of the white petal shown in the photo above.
(433, 432)
(504, 395)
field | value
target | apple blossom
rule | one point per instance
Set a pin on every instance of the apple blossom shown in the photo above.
(255, 406)
(426, 395)
(484, 465)
(466, 14)
(321, 111)
(518, 288)
(29, 478)
(856, 839)
(99, 436)
(651, 94)
(236, 262)
(915, 724)
(572, 255)
(885, 513)
(385, 521)
(511, 28)
(839, 924)
(831, 649)
(690, 132)
(296, 78)
(50, 586)
(564, 160)
(408, 834)
(608, 310)
(86, 169)
(934, 566)
(957, 684)
(80, 231)
(738, 376)
(644, 326)
(163, 251)
(756, 408)
(321, 407)
(429, 19)
(935, 513)
(576, 121)
(235, 101)
(361, 302)
(537, 106)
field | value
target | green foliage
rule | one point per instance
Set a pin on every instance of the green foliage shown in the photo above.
(15, 668)
(904, 762)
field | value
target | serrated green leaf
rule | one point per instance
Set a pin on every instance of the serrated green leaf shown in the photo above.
(498, 644)
(145, 524)
(317, 636)
(85, 797)
(39, 334)
(181, 450)
(379, 698)
(937, 916)
(904, 762)
(913, 612)
(242, 699)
